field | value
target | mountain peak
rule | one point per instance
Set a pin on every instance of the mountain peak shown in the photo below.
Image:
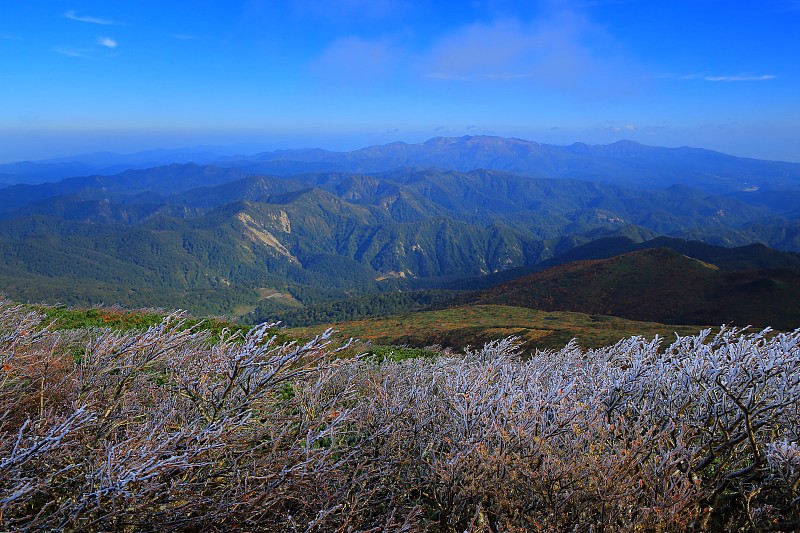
(627, 143)
(442, 141)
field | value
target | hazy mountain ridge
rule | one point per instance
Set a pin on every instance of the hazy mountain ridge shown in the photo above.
(624, 163)
(107, 163)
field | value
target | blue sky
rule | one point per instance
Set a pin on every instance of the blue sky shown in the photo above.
(83, 76)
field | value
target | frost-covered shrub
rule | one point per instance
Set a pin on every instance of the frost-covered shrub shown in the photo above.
(101, 430)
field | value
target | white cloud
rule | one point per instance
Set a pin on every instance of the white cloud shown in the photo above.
(73, 52)
(486, 76)
(562, 49)
(624, 127)
(707, 77)
(108, 42)
(338, 9)
(91, 20)
(740, 77)
(182, 36)
(613, 127)
(356, 59)
(480, 51)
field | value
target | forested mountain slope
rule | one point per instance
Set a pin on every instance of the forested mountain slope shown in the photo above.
(659, 285)
(181, 230)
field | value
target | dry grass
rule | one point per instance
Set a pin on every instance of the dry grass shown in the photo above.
(475, 325)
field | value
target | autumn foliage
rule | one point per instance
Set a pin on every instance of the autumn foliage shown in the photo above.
(167, 429)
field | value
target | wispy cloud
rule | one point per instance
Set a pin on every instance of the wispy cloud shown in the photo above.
(353, 58)
(593, 3)
(108, 42)
(719, 126)
(561, 49)
(740, 77)
(443, 130)
(481, 51)
(182, 36)
(498, 76)
(614, 127)
(74, 52)
(91, 20)
(362, 9)
(707, 77)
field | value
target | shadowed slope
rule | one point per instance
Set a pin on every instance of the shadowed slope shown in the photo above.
(659, 285)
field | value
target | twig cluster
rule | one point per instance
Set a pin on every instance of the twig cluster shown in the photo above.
(163, 429)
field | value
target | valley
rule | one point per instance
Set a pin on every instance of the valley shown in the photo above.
(450, 214)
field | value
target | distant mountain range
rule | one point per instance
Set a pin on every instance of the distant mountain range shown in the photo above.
(322, 226)
(624, 163)
(107, 163)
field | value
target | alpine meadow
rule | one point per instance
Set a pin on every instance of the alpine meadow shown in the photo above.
(396, 266)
